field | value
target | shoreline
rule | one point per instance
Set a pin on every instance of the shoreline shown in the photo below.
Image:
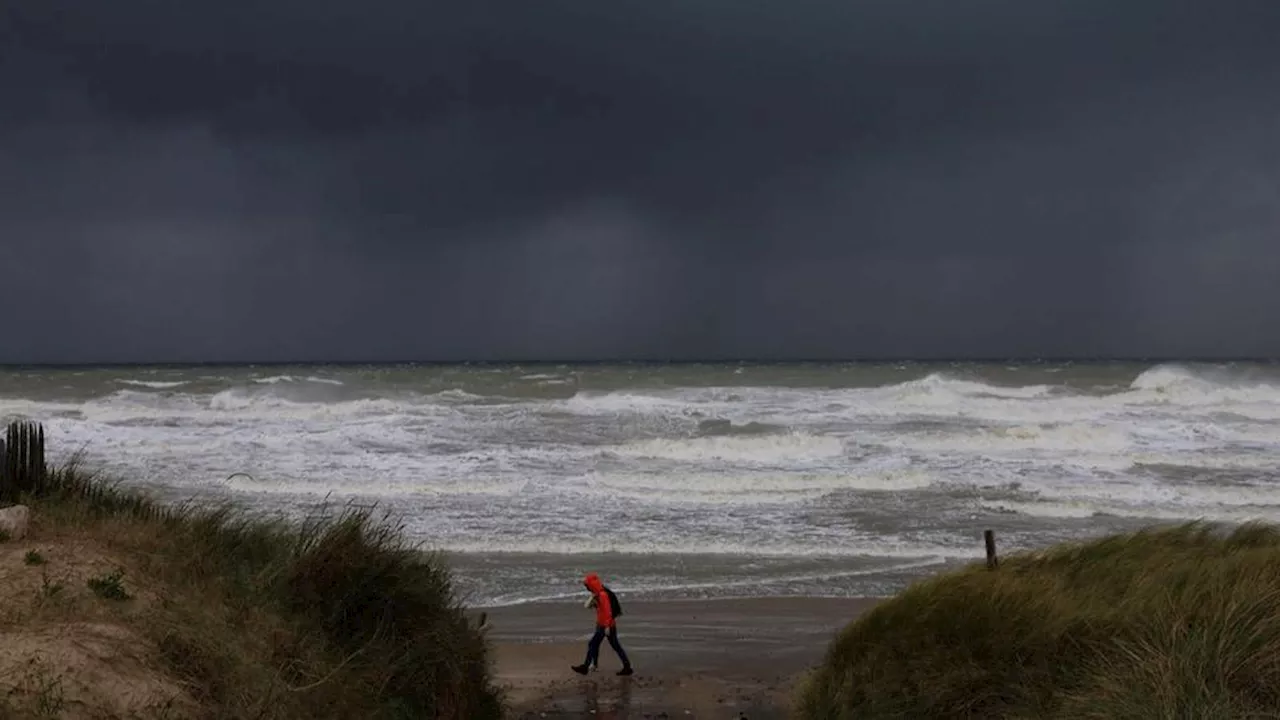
(570, 600)
(705, 658)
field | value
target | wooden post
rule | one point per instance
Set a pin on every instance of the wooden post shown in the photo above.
(42, 469)
(24, 457)
(989, 537)
(22, 466)
(9, 488)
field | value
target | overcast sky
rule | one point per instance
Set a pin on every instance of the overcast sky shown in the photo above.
(562, 179)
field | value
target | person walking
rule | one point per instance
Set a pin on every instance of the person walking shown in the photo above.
(607, 611)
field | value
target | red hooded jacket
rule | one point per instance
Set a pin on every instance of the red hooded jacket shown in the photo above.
(604, 610)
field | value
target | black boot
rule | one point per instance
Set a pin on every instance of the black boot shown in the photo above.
(626, 671)
(580, 669)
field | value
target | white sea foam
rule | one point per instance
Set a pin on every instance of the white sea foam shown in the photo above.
(1045, 509)
(750, 470)
(155, 384)
(719, 585)
(852, 547)
(940, 389)
(1153, 512)
(276, 379)
(743, 489)
(795, 449)
(1019, 440)
(370, 487)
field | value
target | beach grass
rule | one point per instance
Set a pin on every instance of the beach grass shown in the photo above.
(1172, 622)
(334, 616)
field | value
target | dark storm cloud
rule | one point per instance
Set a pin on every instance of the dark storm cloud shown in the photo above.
(321, 180)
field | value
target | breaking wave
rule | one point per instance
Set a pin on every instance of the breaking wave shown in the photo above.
(499, 464)
(155, 384)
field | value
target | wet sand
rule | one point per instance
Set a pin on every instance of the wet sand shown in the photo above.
(696, 658)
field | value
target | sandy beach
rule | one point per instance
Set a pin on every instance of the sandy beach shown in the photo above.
(699, 658)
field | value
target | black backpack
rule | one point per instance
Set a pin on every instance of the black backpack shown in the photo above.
(614, 605)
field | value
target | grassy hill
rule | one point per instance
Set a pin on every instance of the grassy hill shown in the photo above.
(1180, 622)
(115, 606)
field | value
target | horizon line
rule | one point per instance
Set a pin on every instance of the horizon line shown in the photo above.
(1032, 360)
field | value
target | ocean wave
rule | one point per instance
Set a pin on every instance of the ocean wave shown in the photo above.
(714, 427)
(238, 406)
(457, 396)
(370, 488)
(1180, 384)
(755, 582)
(140, 401)
(1089, 444)
(243, 400)
(155, 384)
(1082, 509)
(931, 390)
(862, 547)
(743, 489)
(792, 448)
(612, 403)
(1056, 510)
(1136, 496)
(277, 379)
(943, 388)
(794, 466)
(714, 411)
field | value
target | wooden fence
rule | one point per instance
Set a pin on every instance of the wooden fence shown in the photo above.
(22, 466)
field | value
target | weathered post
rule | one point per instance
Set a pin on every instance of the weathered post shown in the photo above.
(4, 468)
(42, 469)
(22, 466)
(11, 459)
(989, 536)
(23, 482)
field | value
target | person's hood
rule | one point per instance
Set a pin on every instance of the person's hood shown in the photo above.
(592, 581)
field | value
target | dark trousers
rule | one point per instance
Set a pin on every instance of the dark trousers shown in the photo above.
(593, 647)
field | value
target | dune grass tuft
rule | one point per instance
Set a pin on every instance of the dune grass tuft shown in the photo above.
(332, 617)
(1177, 622)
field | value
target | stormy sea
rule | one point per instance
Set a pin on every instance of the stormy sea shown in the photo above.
(679, 481)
